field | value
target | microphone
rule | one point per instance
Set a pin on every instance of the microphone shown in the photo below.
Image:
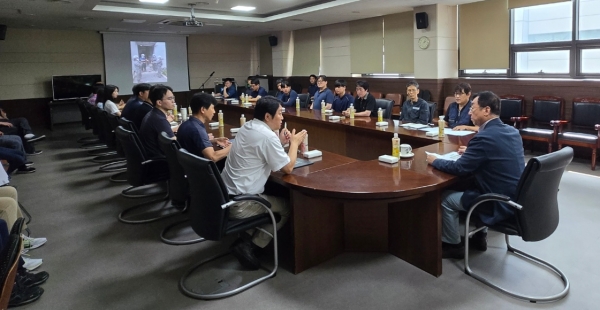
(212, 73)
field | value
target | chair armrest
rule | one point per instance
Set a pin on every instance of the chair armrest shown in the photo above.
(519, 118)
(155, 162)
(256, 198)
(558, 123)
(494, 197)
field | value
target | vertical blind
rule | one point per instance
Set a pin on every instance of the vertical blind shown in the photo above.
(399, 43)
(307, 51)
(366, 45)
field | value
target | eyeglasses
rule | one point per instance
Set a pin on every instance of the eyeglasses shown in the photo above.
(474, 107)
(320, 81)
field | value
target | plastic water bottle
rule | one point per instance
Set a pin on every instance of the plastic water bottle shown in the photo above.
(380, 115)
(396, 145)
(441, 125)
(242, 120)
(221, 123)
(351, 111)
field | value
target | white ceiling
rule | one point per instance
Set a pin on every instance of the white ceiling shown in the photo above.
(269, 16)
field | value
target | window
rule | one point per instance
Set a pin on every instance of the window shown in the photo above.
(556, 40)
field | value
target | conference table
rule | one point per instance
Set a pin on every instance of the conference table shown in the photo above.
(349, 201)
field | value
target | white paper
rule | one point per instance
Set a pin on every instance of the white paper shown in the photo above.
(453, 156)
(459, 133)
(414, 125)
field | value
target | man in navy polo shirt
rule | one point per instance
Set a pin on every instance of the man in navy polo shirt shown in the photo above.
(341, 100)
(192, 133)
(229, 90)
(158, 119)
(257, 91)
(457, 115)
(288, 97)
(414, 109)
(323, 94)
(312, 88)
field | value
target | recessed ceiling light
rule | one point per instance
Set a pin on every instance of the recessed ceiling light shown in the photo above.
(243, 8)
(155, 1)
(134, 21)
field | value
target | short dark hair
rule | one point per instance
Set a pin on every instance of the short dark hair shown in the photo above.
(108, 90)
(323, 77)
(489, 99)
(285, 83)
(412, 83)
(98, 88)
(339, 83)
(278, 81)
(266, 104)
(362, 83)
(137, 88)
(157, 92)
(312, 75)
(462, 87)
(255, 81)
(201, 100)
(250, 77)
(227, 80)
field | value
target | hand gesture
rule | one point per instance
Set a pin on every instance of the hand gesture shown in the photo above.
(297, 138)
(462, 149)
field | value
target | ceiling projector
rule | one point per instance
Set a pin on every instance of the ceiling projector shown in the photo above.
(193, 23)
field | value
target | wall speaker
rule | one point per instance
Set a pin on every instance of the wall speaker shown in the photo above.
(2, 32)
(273, 40)
(422, 20)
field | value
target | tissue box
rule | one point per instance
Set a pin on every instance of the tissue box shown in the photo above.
(313, 153)
(432, 133)
(388, 159)
(381, 124)
(334, 118)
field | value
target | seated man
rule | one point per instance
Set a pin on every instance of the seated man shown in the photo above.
(140, 95)
(494, 157)
(279, 93)
(20, 127)
(140, 113)
(364, 104)
(158, 119)
(256, 152)
(312, 87)
(16, 161)
(341, 100)
(323, 94)
(257, 91)
(457, 115)
(414, 109)
(192, 133)
(288, 96)
(229, 89)
(249, 85)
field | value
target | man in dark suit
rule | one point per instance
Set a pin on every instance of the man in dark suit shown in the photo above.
(494, 157)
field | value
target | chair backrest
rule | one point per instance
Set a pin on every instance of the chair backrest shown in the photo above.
(537, 193)
(397, 98)
(432, 108)
(547, 108)
(97, 122)
(179, 189)
(449, 100)
(424, 94)
(134, 154)
(272, 92)
(386, 105)
(376, 94)
(586, 112)
(109, 134)
(511, 106)
(303, 100)
(207, 217)
(85, 114)
(9, 261)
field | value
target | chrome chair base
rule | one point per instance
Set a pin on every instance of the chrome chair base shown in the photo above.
(166, 240)
(171, 211)
(129, 192)
(519, 253)
(120, 177)
(115, 166)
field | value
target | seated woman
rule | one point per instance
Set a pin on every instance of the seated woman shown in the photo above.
(111, 92)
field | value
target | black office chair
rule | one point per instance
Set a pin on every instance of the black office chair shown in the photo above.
(96, 147)
(9, 261)
(179, 188)
(112, 161)
(536, 214)
(86, 121)
(209, 211)
(432, 109)
(142, 172)
(304, 98)
(386, 105)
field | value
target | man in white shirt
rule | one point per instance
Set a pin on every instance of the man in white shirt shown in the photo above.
(257, 150)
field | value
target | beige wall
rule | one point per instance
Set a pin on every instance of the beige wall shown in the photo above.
(335, 55)
(228, 56)
(29, 58)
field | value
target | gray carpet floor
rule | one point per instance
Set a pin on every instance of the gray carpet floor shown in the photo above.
(96, 262)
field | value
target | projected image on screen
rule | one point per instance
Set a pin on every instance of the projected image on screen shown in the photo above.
(148, 62)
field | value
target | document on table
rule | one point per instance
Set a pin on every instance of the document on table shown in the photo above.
(301, 162)
(449, 131)
(414, 125)
(453, 156)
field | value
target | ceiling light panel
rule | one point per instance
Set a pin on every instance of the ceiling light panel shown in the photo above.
(243, 8)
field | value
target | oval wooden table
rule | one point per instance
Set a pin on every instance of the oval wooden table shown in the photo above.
(349, 201)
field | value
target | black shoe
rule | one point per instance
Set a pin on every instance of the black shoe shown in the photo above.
(21, 295)
(479, 241)
(36, 138)
(29, 164)
(456, 251)
(24, 169)
(29, 279)
(35, 153)
(244, 252)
